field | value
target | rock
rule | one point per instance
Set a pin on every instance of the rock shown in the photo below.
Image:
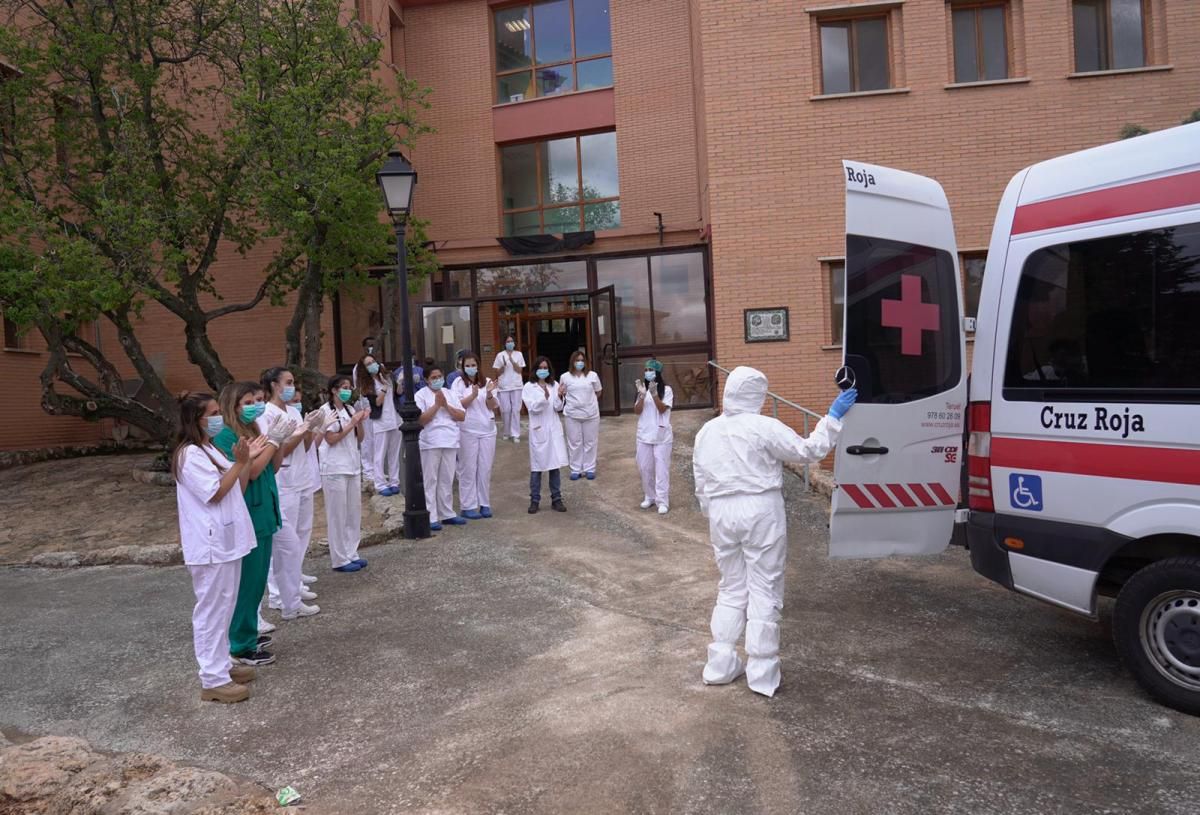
(384, 505)
(176, 790)
(41, 768)
(157, 555)
(152, 477)
(57, 560)
(394, 523)
(4, 742)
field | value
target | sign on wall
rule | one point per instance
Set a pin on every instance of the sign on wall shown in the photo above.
(767, 324)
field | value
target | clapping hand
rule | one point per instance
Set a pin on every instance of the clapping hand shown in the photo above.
(359, 417)
(562, 390)
(280, 429)
(474, 391)
(257, 445)
(241, 452)
(315, 421)
(491, 386)
(440, 398)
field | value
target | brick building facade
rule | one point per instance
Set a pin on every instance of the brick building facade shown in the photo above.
(700, 140)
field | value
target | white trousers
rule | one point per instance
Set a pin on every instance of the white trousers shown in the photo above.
(367, 447)
(475, 457)
(288, 546)
(386, 443)
(749, 539)
(510, 413)
(304, 529)
(437, 465)
(582, 435)
(216, 587)
(654, 463)
(343, 516)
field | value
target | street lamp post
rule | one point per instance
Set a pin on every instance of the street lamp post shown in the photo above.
(397, 179)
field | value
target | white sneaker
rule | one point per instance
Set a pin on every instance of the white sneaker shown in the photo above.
(265, 627)
(275, 604)
(303, 611)
(649, 502)
(308, 578)
(307, 594)
(662, 509)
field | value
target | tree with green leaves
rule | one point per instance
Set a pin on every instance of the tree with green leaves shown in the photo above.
(144, 143)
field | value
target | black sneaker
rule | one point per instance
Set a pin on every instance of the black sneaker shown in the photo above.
(558, 506)
(255, 658)
(264, 642)
(533, 507)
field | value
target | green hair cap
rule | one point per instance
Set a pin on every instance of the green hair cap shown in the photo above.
(654, 365)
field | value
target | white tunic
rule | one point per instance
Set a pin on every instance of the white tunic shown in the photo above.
(581, 401)
(388, 419)
(510, 370)
(654, 427)
(442, 431)
(547, 445)
(344, 457)
(480, 421)
(210, 532)
(293, 475)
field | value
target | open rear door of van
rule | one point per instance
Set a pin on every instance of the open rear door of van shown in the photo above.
(898, 458)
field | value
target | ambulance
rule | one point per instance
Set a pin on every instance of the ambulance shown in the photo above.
(1074, 444)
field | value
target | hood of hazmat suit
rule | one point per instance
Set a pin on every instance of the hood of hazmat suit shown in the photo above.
(738, 464)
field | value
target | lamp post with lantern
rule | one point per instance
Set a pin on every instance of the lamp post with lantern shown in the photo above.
(397, 179)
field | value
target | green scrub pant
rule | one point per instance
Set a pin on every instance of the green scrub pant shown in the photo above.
(243, 630)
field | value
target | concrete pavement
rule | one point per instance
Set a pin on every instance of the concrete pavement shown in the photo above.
(551, 663)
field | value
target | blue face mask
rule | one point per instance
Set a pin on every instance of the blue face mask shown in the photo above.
(508, 346)
(248, 413)
(471, 371)
(259, 409)
(213, 425)
(373, 368)
(289, 393)
(580, 364)
(436, 384)
(650, 376)
(543, 373)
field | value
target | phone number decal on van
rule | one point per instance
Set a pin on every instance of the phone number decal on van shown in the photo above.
(1099, 419)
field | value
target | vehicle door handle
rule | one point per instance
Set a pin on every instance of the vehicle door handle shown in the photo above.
(859, 450)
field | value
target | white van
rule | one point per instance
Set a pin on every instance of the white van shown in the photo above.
(1082, 423)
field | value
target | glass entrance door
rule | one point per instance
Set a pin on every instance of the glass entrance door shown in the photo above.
(606, 347)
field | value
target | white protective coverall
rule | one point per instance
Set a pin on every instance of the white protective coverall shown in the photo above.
(738, 464)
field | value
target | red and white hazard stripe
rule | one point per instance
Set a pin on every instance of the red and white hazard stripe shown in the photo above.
(899, 496)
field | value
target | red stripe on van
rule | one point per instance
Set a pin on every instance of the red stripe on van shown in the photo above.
(902, 495)
(924, 497)
(880, 494)
(1127, 199)
(858, 496)
(941, 493)
(1168, 465)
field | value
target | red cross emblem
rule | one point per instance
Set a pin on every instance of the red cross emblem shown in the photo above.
(910, 315)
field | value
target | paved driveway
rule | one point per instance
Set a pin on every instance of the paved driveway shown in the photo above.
(551, 664)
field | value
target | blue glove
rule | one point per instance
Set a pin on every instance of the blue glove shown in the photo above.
(842, 404)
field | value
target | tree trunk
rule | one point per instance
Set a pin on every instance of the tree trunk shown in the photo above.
(203, 355)
(312, 330)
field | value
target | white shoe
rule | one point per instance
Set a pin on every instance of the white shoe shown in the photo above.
(306, 594)
(275, 604)
(662, 509)
(265, 627)
(647, 503)
(308, 578)
(303, 611)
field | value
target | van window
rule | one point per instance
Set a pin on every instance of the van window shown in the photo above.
(902, 323)
(1113, 317)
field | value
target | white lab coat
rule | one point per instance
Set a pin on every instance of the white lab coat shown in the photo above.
(547, 444)
(738, 465)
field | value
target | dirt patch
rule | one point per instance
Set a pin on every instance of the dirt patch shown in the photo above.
(92, 511)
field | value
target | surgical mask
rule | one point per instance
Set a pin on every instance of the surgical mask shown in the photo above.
(650, 376)
(345, 395)
(373, 368)
(580, 364)
(508, 346)
(471, 371)
(289, 393)
(213, 425)
(436, 384)
(543, 373)
(249, 413)
(259, 409)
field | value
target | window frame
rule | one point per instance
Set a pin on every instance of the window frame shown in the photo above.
(963, 256)
(1107, 56)
(534, 65)
(541, 207)
(976, 6)
(828, 264)
(851, 20)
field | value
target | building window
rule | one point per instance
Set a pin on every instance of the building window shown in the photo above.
(552, 47)
(854, 55)
(980, 42)
(835, 273)
(561, 185)
(1109, 34)
(972, 265)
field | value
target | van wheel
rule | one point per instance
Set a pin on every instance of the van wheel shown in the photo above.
(1156, 627)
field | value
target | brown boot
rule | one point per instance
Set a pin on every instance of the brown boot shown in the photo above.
(228, 693)
(242, 674)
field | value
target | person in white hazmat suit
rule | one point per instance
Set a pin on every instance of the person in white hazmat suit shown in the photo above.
(738, 463)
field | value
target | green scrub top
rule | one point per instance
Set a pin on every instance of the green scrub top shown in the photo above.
(262, 494)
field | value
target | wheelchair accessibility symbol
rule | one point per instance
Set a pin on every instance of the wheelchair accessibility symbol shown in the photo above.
(1025, 491)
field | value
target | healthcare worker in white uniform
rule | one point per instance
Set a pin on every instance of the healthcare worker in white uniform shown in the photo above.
(580, 390)
(341, 475)
(547, 446)
(441, 417)
(379, 388)
(477, 441)
(655, 437)
(367, 448)
(216, 533)
(314, 472)
(738, 464)
(508, 367)
(284, 584)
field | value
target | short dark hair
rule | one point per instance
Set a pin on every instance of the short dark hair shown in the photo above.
(368, 338)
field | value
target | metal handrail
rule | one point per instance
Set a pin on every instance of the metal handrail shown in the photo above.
(775, 412)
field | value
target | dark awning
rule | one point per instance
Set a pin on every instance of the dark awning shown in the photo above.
(546, 244)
